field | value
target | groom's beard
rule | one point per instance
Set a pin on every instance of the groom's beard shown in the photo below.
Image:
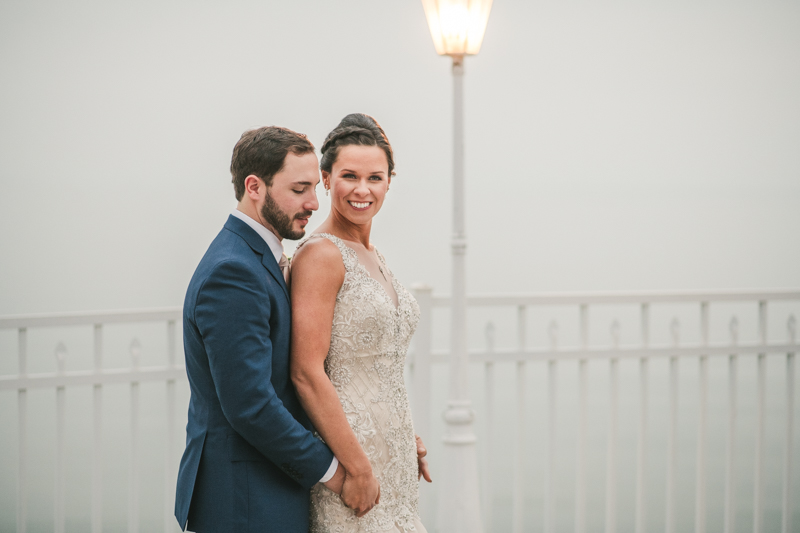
(280, 221)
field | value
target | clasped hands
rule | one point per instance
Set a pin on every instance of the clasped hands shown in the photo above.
(360, 491)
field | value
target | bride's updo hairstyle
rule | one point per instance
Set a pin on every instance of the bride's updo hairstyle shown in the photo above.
(359, 129)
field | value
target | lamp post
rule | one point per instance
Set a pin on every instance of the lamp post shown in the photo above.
(457, 28)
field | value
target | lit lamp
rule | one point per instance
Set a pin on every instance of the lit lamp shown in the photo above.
(457, 28)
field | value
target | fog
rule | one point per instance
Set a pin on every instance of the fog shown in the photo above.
(610, 145)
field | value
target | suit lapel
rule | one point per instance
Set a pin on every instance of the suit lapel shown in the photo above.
(268, 260)
(258, 245)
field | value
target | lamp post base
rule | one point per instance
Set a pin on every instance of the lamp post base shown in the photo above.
(459, 496)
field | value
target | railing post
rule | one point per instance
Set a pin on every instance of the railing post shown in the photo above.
(422, 360)
(422, 378)
(580, 462)
(22, 405)
(97, 451)
(672, 452)
(550, 454)
(788, 445)
(59, 521)
(170, 477)
(518, 505)
(611, 452)
(133, 486)
(641, 454)
(758, 478)
(730, 462)
(702, 423)
(489, 441)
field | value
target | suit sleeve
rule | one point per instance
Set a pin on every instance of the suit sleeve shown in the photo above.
(232, 315)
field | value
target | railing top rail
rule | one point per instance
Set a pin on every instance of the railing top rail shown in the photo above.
(624, 297)
(90, 317)
(175, 313)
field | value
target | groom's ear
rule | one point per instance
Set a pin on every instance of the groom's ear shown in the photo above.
(254, 187)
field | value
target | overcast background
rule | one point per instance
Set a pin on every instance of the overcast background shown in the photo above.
(611, 145)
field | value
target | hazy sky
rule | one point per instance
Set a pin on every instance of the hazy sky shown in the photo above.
(611, 145)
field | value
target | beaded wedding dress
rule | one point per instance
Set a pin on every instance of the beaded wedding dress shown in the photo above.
(365, 363)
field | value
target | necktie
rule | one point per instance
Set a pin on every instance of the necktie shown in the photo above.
(283, 264)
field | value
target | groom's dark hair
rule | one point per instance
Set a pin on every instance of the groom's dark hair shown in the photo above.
(262, 152)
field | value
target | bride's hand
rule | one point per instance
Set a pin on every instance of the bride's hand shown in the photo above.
(361, 492)
(424, 470)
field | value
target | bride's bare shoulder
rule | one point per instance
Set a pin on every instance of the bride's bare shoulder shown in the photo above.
(317, 253)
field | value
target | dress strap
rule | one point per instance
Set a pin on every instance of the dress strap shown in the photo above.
(349, 256)
(383, 262)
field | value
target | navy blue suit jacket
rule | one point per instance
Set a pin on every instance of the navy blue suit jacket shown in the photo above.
(250, 456)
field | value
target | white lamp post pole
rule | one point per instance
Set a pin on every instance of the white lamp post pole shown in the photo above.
(457, 28)
(459, 497)
(458, 342)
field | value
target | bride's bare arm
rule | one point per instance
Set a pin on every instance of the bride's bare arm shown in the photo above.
(317, 276)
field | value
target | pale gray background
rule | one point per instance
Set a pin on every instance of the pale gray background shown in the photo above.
(611, 145)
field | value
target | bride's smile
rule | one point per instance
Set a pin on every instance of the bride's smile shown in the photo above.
(360, 205)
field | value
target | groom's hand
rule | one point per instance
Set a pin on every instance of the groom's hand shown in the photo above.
(361, 492)
(335, 483)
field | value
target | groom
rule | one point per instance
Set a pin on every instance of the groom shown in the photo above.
(250, 456)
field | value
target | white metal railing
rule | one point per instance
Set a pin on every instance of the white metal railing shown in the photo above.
(613, 353)
(424, 356)
(97, 377)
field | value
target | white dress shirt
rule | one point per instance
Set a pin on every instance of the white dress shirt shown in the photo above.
(272, 240)
(276, 247)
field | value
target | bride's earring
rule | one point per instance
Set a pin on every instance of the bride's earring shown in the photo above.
(327, 190)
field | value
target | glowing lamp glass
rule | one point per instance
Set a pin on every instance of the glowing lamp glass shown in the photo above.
(457, 26)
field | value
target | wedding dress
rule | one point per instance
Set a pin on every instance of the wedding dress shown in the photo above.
(369, 341)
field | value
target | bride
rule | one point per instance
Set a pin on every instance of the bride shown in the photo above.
(352, 322)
